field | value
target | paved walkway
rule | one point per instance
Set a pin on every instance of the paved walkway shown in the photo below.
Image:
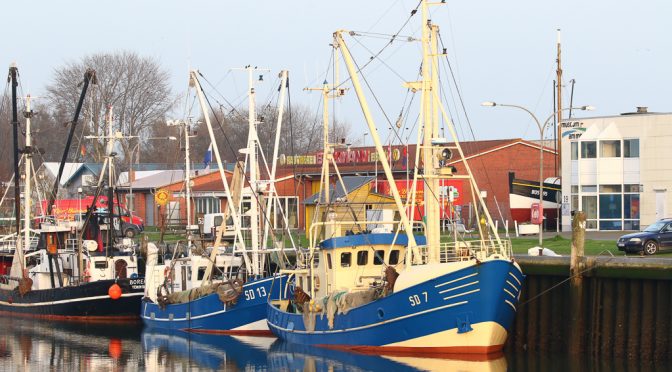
(592, 235)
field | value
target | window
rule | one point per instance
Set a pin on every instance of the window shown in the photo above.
(394, 257)
(610, 149)
(289, 206)
(575, 189)
(362, 258)
(346, 259)
(316, 260)
(575, 150)
(589, 206)
(207, 205)
(588, 150)
(610, 206)
(201, 273)
(589, 188)
(631, 148)
(630, 188)
(631, 206)
(379, 257)
(329, 260)
(610, 188)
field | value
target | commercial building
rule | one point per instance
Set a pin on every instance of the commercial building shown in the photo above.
(617, 169)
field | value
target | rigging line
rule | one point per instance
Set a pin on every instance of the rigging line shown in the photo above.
(381, 60)
(316, 117)
(464, 109)
(392, 126)
(233, 108)
(383, 15)
(221, 128)
(375, 56)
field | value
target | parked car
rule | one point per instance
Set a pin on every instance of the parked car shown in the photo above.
(656, 237)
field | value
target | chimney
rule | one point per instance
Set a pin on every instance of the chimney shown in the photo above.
(642, 109)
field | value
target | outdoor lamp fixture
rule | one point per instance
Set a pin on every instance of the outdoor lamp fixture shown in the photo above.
(542, 128)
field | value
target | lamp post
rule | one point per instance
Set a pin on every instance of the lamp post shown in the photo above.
(542, 128)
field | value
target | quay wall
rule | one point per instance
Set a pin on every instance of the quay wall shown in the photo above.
(626, 308)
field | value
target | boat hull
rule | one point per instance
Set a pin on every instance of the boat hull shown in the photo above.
(209, 314)
(86, 302)
(467, 310)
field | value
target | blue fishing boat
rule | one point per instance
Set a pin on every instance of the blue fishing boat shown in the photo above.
(386, 289)
(222, 289)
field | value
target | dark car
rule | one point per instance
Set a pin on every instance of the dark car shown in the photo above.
(656, 237)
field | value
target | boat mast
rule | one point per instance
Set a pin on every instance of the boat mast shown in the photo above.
(382, 157)
(272, 191)
(110, 180)
(430, 126)
(28, 164)
(252, 141)
(558, 72)
(13, 72)
(232, 208)
(187, 178)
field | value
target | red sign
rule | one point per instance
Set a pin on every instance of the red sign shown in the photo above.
(536, 213)
(448, 189)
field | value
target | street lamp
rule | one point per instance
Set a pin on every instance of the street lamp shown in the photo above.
(542, 128)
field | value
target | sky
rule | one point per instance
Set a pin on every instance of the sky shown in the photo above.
(618, 52)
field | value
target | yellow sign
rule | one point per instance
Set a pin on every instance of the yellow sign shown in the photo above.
(161, 197)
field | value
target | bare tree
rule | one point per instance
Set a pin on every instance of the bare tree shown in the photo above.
(136, 87)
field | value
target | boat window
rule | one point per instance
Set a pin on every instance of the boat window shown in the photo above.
(329, 260)
(362, 258)
(218, 221)
(379, 257)
(346, 259)
(394, 257)
(100, 264)
(201, 273)
(316, 260)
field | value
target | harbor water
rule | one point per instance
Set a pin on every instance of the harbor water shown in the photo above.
(29, 345)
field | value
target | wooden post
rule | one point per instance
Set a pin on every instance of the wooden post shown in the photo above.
(577, 301)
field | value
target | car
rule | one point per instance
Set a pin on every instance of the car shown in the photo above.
(656, 237)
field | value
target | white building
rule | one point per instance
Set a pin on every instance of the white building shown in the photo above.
(617, 169)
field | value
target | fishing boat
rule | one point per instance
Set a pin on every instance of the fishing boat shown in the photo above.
(58, 271)
(226, 289)
(398, 292)
(524, 193)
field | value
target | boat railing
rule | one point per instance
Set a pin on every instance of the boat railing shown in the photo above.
(480, 249)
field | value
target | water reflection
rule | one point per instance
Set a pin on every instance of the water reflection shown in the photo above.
(39, 345)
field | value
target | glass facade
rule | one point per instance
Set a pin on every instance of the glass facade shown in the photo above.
(607, 206)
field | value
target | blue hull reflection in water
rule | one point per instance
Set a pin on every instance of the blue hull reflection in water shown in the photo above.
(166, 348)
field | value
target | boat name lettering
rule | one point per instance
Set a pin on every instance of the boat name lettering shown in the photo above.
(416, 300)
(137, 283)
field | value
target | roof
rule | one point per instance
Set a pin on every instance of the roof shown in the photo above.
(157, 180)
(68, 170)
(370, 239)
(123, 176)
(351, 183)
(71, 170)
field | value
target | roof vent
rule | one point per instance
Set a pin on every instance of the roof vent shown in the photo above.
(642, 109)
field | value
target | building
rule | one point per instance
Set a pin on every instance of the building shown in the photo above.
(490, 161)
(74, 177)
(617, 169)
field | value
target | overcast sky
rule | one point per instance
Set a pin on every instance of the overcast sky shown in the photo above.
(619, 52)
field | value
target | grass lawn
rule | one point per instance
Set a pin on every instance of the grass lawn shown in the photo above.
(557, 244)
(562, 246)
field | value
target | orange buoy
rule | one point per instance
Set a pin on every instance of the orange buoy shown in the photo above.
(114, 292)
(114, 348)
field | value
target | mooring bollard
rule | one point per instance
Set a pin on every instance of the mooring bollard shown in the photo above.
(577, 301)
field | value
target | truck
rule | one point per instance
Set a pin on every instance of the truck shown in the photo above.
(69, 209)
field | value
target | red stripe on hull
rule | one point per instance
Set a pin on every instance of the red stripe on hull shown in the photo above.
(468, 353)
(232, 332)
(81, 319)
